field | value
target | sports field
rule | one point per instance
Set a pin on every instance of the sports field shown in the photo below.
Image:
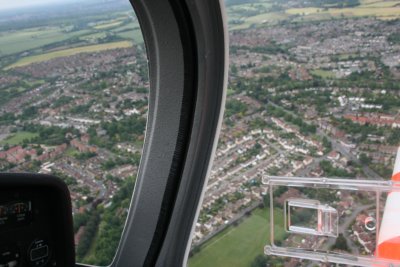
(238, 246)
(68, 52)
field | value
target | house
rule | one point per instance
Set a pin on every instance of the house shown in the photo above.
(334, 155)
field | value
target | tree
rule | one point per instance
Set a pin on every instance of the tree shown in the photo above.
(341, 243)
(365, 159)
(234, 70)
(326, 143)
(259, 261)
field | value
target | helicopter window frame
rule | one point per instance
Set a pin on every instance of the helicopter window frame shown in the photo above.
(187, 50)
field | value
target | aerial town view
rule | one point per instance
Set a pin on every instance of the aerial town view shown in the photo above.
(314, 91)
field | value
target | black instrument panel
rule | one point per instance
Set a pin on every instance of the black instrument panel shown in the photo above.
(35, 221)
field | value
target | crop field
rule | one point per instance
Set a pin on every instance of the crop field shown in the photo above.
(246, 10)
(250, 15)
(378, 9)
(16, 42)
(375, 3)
(238, 246)
(94, 36)
(126, 27)
(108, 25)
(69, 52)
(18, 138)
(379, 12)
(135, 35)
(266, 18)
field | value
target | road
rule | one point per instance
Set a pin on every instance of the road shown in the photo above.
(345, 152)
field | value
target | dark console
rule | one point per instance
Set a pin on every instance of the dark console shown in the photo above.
(35, 221)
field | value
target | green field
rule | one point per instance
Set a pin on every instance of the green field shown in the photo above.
(18, 138)
(136, 35)
(69, 52)
(266, 18)
(111, 24)
(326, 74)
(19, 41)
(244, 16)
(94, 36)
(126, 27)
(72, 152)
(379, 9)
(383, 3)
(238, 246)
(379, 12)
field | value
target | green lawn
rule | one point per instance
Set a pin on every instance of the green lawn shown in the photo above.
(72, 152)
(238, 246)
(17, 138)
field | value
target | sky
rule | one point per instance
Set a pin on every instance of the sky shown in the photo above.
(12, 4)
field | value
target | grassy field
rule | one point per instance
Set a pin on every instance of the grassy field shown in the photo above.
(383, 4)
(19, 41)
(68, 52)
(379, 12)
(247, 13)
(127, 27)
(136, 35)
(238, 246)
(379, 9)
(18, 138)
(108, 25)
(71, 152)
(266, 18)
(94, 36)
(324, 73)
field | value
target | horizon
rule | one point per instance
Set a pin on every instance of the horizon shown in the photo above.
(6, 5)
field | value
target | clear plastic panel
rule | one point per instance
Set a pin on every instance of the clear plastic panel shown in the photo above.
(328, 220)
(310, 217)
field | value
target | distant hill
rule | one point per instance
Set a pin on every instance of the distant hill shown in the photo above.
(305, 3)
(239, 2)
(331, 3)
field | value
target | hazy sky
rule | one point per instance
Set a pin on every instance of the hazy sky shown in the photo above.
(10, 4)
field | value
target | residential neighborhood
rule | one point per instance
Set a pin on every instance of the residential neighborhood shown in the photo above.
(306, 98)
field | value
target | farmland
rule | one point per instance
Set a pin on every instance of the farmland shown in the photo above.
(16, 42)
(108, 25)
(20, 46)
(69, 52)
(109, 31)
(243, 16)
